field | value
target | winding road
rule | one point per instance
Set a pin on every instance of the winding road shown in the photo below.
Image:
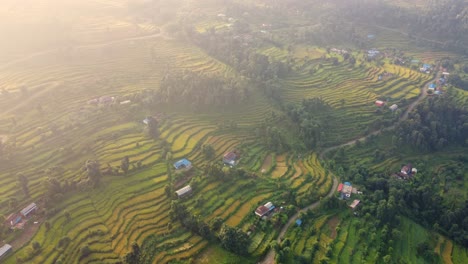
(270, 256)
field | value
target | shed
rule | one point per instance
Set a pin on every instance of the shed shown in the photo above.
(354, 204)
(183, 164)
(29, 209)
(379, 103)
(393, 107)
(4, 250)
(184, 191)
(432, 86)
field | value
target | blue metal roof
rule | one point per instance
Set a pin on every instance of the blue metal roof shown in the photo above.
(298, 222)
(432, 85)
(182, 163)
(347, 183)
(427, 66)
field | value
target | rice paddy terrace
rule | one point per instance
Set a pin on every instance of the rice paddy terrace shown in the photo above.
(48, 124)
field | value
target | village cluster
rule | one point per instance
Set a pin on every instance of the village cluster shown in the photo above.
(17, 221)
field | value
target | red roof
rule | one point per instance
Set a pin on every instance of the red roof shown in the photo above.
(340, 187)
(261, 210)
(379, 103)
(230, 156)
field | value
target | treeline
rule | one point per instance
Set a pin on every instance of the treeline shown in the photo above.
(435, 124)
(237, 48)
(198, 89)
(311, 120)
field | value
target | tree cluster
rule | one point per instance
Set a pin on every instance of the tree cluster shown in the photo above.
(435, 124)
(199, 89)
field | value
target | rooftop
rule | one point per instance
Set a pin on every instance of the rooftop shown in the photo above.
(354, 204)
(184, 190)
(183, 163)
(4, 249)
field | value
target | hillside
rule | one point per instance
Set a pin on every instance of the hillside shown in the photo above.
(101, 98)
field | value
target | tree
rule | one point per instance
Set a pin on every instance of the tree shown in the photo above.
(84, 252)
(93, 171)
(36, 246)
(208, 151)
(125, 164)
(23, 182)
(134, 256)
(234, 239)
(153, 127)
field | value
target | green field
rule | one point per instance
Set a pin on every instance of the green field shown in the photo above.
(116, 48)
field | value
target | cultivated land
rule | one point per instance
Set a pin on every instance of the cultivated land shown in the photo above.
(47, 123)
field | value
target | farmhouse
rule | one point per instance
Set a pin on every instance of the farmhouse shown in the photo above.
(4, 250)
(354, 204)
(264, 209)
(407, 171)
(393, 107)
(230, 158)
(29, 209)
(183, 164)
(184, 191)
(379, 103)
(345, 189)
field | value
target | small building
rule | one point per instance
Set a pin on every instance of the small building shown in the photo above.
(347, 190)
(393, 107)
(13, 219)
(371, 36)
(432, 86)
(230, 158)
(29, 209)
(407, 171)
(4, 250)
(340, 187)
(183, 164)
(372, 53)
(298, 222)
(264, 209)
(445, 73)
(146, 121)
(379, 103)
(184, 191)
(354, 204)
(125, 102)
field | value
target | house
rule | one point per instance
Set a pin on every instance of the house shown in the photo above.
(406, 169)
(183, 164)
(125, 102)
(372, 53)
(379, 103)
(13, 219)
(184, 191)
(4, 250)
(298, 222)
(346, 190)
(147, 120)
(393, 107)
(29, 209)
(445, 73)
(354, 204)
(229, 158)
(432, 86)
(264, 209)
